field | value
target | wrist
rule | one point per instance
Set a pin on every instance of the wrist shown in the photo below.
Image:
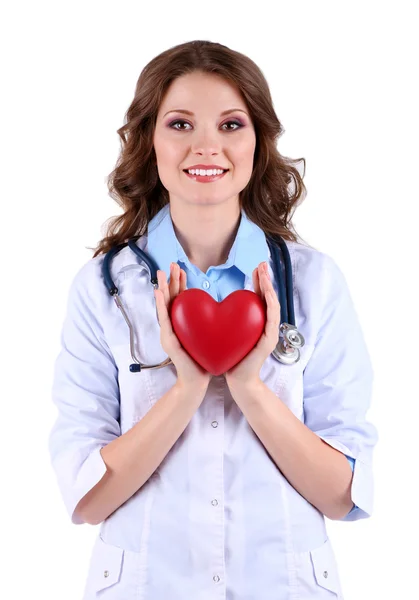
(198, 387)
(237, 384)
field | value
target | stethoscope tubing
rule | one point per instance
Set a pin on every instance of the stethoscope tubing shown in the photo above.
(286, 351)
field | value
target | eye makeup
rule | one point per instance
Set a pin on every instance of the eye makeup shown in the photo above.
(233, 121)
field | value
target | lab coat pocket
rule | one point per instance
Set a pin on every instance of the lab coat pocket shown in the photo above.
(317, 574)
(325, 568)
(105, 572)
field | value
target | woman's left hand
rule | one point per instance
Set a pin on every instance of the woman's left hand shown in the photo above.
(248, 369)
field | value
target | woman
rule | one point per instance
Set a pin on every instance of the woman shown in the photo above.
(209, 486)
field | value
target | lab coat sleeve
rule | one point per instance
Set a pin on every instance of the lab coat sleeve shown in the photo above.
(338, 381)
(85, 391)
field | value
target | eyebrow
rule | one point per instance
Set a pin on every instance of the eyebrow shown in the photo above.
(188, 112)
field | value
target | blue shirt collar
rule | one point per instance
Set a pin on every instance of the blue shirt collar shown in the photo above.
(249, 248)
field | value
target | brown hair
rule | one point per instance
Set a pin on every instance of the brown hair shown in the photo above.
(134, 183)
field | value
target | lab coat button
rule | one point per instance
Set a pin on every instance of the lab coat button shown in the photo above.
(206, 284)
(325, 574)
(214, 424)
(214, 502)
(106, 574)
(216, 578)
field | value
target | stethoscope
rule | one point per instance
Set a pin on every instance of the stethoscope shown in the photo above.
(287, 350)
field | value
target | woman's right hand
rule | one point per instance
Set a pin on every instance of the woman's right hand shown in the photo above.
(189, 372)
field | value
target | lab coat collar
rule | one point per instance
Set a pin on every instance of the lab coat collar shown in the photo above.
(248, 250)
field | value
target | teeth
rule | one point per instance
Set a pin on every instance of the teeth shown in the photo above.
(205, 172)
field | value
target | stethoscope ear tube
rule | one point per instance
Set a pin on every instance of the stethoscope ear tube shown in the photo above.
(106, 268)
(150, 262)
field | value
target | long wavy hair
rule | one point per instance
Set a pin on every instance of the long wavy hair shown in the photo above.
(275, 188)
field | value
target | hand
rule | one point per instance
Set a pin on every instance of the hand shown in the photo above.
(248, 369)
(189, 372)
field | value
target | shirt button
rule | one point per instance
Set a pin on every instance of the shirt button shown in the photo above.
(214, 424)
(206, 284)
(106, 573)
(325, 574)
(216, 578)
(214, 502)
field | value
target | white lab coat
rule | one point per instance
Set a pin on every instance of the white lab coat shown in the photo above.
(217, 519)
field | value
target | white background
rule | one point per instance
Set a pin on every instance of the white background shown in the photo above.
(343, 77)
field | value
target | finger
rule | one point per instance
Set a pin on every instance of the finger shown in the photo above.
(266, 281)
(262, 278)
(274, 309)
(159, 293)
(162, 312)
(272, 302)
(164, 321)
(273, 312)
(256, 282)
(162, 279)
(182, 284)
(174, 280)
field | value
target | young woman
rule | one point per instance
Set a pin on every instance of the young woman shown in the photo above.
(209, 486)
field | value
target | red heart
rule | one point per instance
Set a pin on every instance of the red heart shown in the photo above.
(218, 335)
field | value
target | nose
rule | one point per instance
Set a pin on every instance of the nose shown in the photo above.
(206, 141)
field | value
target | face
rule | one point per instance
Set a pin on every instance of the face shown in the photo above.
(203, 137)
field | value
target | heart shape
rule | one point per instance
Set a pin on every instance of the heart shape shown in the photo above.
(218, 335)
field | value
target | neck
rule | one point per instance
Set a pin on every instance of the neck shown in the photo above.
(206, 233)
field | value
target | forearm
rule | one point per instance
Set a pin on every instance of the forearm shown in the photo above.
(134, 456)
(321, 474)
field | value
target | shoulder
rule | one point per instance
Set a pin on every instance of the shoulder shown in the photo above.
(314, 268)
(86, 288)
(89, 277)
(319, 286)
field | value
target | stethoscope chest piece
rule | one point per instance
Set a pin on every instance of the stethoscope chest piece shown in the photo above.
(287, 349)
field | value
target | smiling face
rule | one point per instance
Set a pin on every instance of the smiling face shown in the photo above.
(204, 137)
